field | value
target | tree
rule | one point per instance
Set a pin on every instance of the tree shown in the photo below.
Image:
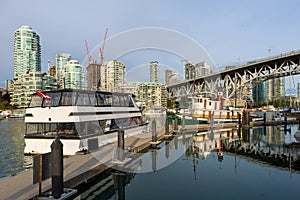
(4, 105)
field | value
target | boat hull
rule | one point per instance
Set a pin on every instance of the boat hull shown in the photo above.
(73, 145)
(206, 116)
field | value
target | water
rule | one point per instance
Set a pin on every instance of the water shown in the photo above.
(254, 164)
(12, 159)
(202, 173)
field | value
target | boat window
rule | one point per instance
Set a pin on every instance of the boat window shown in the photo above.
(100, 99)
(83, 99)
(66, 129)
(68, 99)
(124, 101)
(35, 101)
(93, 99)
(130, 101)
(116, 101)
(88, 128)
(107, 99)
(55, 98)
(135, 121)
(50, 129)
(200, 100)
(123, 122)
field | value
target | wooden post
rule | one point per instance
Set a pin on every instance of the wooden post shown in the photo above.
(239, 118)
(121, 145)
(183, 121)
(167, 126)
(176, 123)
(57, 168)
(154, 136)
(40, 173)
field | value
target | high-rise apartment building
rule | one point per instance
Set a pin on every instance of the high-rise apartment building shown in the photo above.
(174, 79)
(61, 60)
(112, 76)
(27, 66)
(275, 89)
(269, 90)
(171, 77)
(194, 71)
(72, 76)
(154, 72)
(28, 84)
(27, 51)
(202, 69)
(167, 75)
(93, 76)
(150, 94)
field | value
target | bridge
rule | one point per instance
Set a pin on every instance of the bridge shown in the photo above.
(236, 83)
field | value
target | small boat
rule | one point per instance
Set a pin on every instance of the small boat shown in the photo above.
(16, 116)
(154, 112)
(83, 120)
(206, 110)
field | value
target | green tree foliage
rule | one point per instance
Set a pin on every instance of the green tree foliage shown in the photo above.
(4, 105)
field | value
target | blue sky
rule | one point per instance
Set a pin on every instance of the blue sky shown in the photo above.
(228, 30)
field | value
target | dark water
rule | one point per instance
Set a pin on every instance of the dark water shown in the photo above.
(270, 173)
(12, 159)
(259, 163)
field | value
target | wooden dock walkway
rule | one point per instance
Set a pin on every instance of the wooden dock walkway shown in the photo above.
(80, 168)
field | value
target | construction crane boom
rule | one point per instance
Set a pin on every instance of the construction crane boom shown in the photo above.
(90, 59)
(101, 50)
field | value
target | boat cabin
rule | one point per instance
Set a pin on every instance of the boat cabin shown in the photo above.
(205, 103)
(69, 97)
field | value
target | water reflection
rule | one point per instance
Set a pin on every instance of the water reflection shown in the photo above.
(275, 145)
(12, 159)
(272, 147)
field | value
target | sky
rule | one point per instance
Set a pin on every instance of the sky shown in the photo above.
(230, 32)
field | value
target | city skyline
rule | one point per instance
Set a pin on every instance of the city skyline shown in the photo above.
(232, 32)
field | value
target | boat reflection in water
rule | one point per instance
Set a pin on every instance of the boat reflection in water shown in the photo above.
(258, 149)
(274, 145)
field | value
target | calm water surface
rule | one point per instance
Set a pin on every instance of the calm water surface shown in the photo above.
(12, 159)
(200, 173)
(254, 164)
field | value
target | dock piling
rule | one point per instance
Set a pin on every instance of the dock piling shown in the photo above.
(167, 126)
(239, 118)
(121, 144)
(57, 168)
(154, 135)
(176, 123)
(154, 142)
(183, 121)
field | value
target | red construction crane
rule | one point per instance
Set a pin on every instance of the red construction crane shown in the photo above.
(101, 50)
(90, 58)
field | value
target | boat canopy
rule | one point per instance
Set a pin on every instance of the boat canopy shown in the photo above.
(82, 98)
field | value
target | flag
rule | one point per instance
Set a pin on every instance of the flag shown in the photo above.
(42, 95)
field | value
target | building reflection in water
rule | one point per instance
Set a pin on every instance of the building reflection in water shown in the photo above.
(274, 146)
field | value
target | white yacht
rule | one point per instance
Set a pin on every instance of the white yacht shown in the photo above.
(83, 120)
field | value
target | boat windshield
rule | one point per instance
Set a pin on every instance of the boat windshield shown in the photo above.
(51, 129)
(81, 98)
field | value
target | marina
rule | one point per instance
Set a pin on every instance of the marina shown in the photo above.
(154, 100)
(216, 159)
